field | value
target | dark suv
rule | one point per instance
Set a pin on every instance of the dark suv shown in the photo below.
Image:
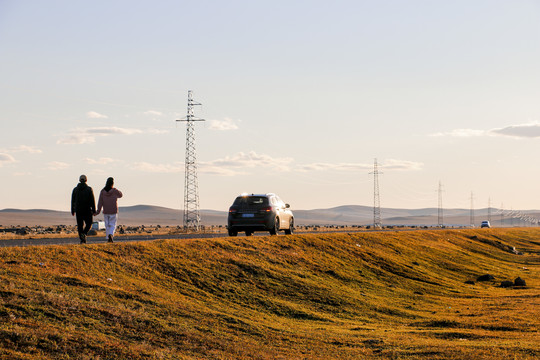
(259, 212)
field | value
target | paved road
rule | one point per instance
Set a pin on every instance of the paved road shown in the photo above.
(101, 239)
(126, 238)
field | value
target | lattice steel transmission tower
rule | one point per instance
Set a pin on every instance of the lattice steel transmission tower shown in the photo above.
(472, 209)
(192, 216)
(440, 219)
(502, 214)
(376, 197)
(489, 210)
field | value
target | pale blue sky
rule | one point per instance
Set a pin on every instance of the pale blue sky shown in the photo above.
(299, 98)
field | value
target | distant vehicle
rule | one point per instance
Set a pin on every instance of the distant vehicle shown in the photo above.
(98, 225)
(485, 224)
(259, 212)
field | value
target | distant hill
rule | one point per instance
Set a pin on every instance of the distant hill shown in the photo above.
(340, 215)
(128, 215)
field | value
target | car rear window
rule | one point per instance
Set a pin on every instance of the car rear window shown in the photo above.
(251, 201)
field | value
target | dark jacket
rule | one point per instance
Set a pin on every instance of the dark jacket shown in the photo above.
(82, 199)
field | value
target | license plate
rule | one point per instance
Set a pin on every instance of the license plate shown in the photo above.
(248, 215)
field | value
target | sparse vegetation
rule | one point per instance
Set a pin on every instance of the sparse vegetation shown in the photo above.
(391, 295)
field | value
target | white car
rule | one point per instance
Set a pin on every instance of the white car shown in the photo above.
(98, 225)
(485, 224)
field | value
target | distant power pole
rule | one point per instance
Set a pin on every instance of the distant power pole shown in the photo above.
(502, 214)
(472, 209)
(376, 197)
(192, 215)
(489, 210)
(511, 216)
(440, 208)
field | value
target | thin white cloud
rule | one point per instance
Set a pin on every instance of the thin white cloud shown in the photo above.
(113, 130)
(95, 115)
(158, 168)
(337, 167)
(219, 171)
(390, 164)
(26, 148)
(6, 159)
(76, 139)
(393, 164)
(88, 135)
(57, 165)
(100, 161)
(22, 148)
(203, 168)
(251, 160)
(228, 166)
(223, 125)
(462, 133)
(153, 113)
(238, 163)
(531, 130)
(520, 131)
(157, 131)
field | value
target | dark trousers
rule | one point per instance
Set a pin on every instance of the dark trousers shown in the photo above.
(86, 218)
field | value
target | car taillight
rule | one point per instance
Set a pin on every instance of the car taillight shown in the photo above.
(233, 211)
(266, 209)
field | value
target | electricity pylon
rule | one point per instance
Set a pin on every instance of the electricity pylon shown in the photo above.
(502, 215)
(440, 208)
(472, 209)
(376, 197)
(489, 210)
(192, 216)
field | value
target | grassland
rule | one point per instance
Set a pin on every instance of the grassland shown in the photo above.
(392, 295)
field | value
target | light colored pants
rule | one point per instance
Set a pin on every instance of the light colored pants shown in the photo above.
(110, 224)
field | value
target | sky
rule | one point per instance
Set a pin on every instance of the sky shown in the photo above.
(299, 98)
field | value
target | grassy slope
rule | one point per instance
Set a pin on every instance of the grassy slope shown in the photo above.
(395, 295)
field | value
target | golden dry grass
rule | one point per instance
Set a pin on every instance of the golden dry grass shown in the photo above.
(392, 295)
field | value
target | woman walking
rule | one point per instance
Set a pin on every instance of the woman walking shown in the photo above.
(108, 200)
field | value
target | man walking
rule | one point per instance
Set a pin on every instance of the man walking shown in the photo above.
(83, 205)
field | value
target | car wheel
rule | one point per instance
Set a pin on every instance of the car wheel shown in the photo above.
(249, 233)
(233, 233)
(290, 230)
(275, 229)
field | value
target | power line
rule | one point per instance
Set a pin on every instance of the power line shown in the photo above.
(192, 216)
(512, 214)
(520, 215)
